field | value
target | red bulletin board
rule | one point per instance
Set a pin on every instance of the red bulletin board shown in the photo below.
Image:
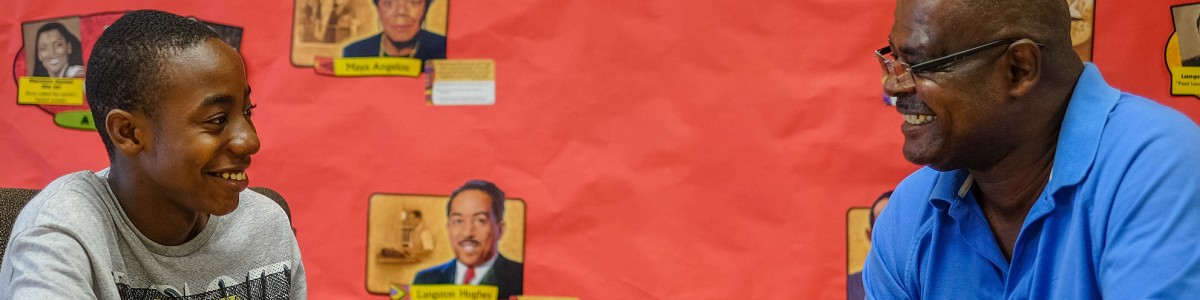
(665, 149)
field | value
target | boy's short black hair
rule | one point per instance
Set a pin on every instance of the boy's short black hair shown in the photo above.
(126, 66)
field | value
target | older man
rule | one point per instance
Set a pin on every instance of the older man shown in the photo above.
(1043, 182)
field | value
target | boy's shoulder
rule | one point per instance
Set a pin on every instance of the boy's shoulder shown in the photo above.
(73, 198)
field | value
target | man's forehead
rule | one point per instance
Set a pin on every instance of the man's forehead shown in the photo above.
(478, 199)
(923, 26)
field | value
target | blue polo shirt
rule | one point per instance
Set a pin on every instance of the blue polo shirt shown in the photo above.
(1119, 218)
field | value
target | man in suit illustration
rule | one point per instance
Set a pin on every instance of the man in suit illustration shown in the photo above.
(475, 221)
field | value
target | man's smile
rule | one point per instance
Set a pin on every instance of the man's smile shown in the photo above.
(919, 119)
(468, 245)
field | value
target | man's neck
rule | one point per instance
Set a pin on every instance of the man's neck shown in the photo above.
(152, 213)
(1008, 190)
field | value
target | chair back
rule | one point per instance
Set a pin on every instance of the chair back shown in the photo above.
(11, 202)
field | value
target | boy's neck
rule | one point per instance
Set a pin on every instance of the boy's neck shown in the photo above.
(152, 211)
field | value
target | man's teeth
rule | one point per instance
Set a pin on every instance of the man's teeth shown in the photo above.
(234, 176)
(919, 119)
(469, 245)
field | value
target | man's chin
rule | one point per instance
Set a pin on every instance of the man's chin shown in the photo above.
(926, 159)
(471, 262)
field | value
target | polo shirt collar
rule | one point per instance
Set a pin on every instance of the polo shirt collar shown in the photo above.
(1079, 138)
(1078, 142)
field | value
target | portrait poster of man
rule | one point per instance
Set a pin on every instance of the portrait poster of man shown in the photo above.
(368, 28)
(409, 234)
(53, 48)
(1187, 28)
(1083, 16)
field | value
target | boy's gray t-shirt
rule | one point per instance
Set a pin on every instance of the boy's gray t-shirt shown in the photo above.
(73, 241)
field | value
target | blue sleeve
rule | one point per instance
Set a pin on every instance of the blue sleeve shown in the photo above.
(882, 273)
(887, 272)
(1152, 239)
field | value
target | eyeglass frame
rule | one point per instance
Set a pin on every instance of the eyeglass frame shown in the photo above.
(889, 69)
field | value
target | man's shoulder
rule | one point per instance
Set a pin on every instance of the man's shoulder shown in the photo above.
(443, 273)
(508, 266)
(909, 209)
(449, 265)
(368, 46)
(912, 193)
(1137, 114)
(1138, 126)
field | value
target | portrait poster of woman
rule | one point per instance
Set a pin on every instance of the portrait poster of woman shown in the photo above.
(1083, 16)
(53, 48)
(325, 28)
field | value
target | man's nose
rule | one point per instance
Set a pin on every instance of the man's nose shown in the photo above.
(895, 87)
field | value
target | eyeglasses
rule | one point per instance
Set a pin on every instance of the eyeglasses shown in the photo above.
(902, 73)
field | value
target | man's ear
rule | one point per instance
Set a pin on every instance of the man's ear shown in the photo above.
(124, 131)
(501, 230)
(1025, 67)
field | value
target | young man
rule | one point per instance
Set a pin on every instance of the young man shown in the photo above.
(1043, 182)
(171, 216)
(475, 221)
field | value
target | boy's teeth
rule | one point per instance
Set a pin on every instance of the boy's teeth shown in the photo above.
(234, 176)
(919, 119)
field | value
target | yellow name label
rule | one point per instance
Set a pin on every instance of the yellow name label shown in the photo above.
(453, 292)
(1185, 80)
(50, 91)
(377, 66)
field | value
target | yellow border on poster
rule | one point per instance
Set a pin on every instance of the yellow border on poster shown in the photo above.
(1185, 80)
(377, 66)
(453, 292)
(50, 91)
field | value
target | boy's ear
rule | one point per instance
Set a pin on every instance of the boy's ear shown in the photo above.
(124, 130)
